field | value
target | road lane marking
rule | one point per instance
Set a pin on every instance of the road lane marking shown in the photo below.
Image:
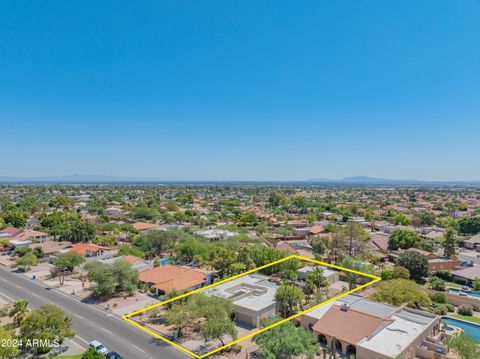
(78, 316)
(108, 331)
(83, 340)
(3, 279)
(6, 296)
(16, 285)
(143, 351)
(35, 295)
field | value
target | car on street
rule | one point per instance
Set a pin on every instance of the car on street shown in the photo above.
(113, 355)
(99, 347)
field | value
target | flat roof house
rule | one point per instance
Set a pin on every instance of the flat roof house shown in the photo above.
(330, 275)
(253, 298)
(171, 277)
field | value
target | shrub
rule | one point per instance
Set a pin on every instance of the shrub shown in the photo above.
(438, 284)
(387, 274)
(445, 275)
(438, 298)
(440, 310)
(450, 307)
(465, 310)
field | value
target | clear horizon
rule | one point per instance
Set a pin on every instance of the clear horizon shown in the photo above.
(271, 90)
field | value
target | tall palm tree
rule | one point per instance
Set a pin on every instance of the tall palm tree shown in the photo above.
(19, 311)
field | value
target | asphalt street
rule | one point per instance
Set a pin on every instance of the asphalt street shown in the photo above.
(89, 322)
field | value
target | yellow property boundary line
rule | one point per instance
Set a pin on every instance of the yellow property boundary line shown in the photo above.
(127, 317)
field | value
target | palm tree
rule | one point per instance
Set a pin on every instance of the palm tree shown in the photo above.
(19, 311)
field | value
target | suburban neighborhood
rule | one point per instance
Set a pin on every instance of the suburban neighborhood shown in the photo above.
(161, 242)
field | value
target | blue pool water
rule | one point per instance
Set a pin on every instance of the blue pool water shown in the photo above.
(469, 328)
(470, 294)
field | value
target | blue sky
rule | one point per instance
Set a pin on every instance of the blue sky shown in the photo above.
(241, 89)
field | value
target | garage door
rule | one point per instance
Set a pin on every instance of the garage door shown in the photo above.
(245, 319)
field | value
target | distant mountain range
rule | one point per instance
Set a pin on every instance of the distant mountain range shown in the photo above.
(70, 179)
(365, 179)
(373, 180)
(91, 179)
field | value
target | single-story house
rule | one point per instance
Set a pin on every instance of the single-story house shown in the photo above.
(215, 234)
(330, 275)
(172, 277)
(296, 246)
(466, 275)
(89, 250)
(52, 248)
(373, 330)
(314, 230)
(435, 263)
(143, 227)
(473, 242)
(253, 298)
(19, 237)
(137, 263)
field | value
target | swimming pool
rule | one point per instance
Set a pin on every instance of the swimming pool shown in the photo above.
(469, 328)
(470, 294)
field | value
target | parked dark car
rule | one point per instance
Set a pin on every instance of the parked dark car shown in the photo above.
(113, 355)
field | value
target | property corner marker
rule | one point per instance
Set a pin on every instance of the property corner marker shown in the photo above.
(128, 317)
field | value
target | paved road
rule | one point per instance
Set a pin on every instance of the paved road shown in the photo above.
(89, 322)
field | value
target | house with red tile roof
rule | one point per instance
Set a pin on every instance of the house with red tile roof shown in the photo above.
(172, 277)
(89, 250)
(358, 327)
(143, 227)
(19, 237)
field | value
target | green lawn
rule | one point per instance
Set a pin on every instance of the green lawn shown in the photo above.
(70, 357)
(453, 285)
(466, 318)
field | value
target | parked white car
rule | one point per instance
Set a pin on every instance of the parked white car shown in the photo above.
(99, 347)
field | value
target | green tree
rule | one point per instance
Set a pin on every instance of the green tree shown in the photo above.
(403, 220)
(4, 242)
(286, 341)
(15, 219)
(467, 225)
(276, 199)
(91, 353)
(7, 351)
(110, 279)
(437, 284)
(38, 252)
(449, 243)
(181, 315)
(476, 284)
(416, 264)
(400, 272)
(217, 326)
(65, 263)
(465, 346)
(289, 299)
(19, 311)
(352, 278)
(27, 261)
(222, 260)
(154, 243)
(48, 323)
(401, 292)
(403, 238)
